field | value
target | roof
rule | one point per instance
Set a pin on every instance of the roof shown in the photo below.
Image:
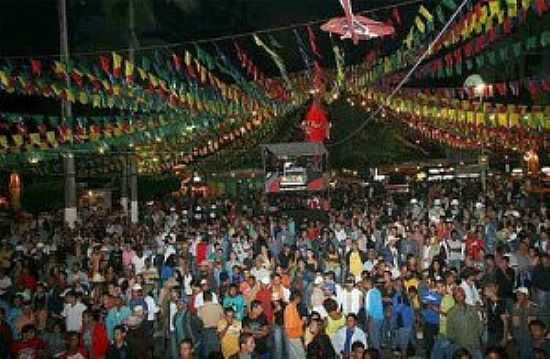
(295, 149)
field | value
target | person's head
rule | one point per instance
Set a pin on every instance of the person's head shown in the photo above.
(462, 354)
(186, 348)
(229, 313)
(351, 320)
(495, 353)
(295, 297)
(522, 294)
(73, 342)
(459, 295)
(440, 286)
(537, 329)
(70, 297)
(315, 326)
(120, 334)
(371, 354)
(28, 331)
(256, 308)
(207, 296)
(247, 344)
(357, 350)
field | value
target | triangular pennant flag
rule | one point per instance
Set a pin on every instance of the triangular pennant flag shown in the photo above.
(424, 12)
(420, 25)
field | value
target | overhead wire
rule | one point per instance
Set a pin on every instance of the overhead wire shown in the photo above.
(211, 39)
(405, 79)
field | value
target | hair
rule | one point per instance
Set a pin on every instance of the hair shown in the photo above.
(255, 304)
(120, 327)
(207, 296)
(496, 350)
(372, 354)
(187, 341)
(243, 338)
(537, 322)
(295, 294)
(462, 353)
(356, 345)
(229, 310)
(352, 315)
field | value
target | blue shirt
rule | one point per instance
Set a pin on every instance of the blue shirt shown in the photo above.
(429, 298)
(115, 317)
(373, 304)
(237, 303)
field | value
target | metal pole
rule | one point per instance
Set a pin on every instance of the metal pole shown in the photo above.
(132, 28)
(70, 190)
(133, 192)
(66, 108)
(124, 186)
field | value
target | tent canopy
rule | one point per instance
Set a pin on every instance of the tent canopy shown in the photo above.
(296, 149)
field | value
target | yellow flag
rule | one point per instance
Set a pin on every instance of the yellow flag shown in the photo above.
(3, 142)
(117, 64)
(83, 98)
(4, 79)
(17, 140)
(422, 10)
(420, 25)
(512, 8)
(35, 138)
(128, 69)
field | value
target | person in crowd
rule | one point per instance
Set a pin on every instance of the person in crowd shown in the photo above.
(247, 346)
(346, 336)
(293, 325)
(74, 347)
(464, 325)
(319, 345)
(286, 279)
(94, 335)
(210, 314)
(375, 314)
(119, 348)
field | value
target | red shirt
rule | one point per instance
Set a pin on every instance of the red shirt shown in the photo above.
(27, 281)
(202, 248)
(474, 246)
(28, 348)
(264, 296)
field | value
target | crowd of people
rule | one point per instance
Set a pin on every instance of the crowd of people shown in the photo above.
(445, 271)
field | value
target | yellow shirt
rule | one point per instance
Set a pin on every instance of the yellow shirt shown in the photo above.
(230, 341)
(333, 325)
(447, 303)
(355, 264)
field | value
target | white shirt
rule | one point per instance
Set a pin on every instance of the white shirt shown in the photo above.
(73, 316)
(152, 308)
(173, 310)
(5, 284)
(339, 339)
(139, 264)
(351, 301)
(199, 299)
(472, 295)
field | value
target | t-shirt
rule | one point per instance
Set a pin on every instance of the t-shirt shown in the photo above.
(255, 325)
(494, 321)
(230, 341)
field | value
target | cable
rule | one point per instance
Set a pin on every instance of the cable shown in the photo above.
(212, 39)
(405, 79)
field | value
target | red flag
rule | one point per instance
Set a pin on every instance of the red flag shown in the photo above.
(313, 43)
(36, 67)
(396, 16)
(105, 63)
(177, 62)
(541, 7)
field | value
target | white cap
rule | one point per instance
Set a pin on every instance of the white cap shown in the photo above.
(479, 205)
(437, 202)
(414, 201)
(522, 290)
(454, 202)
(318, 280)
(136, 287)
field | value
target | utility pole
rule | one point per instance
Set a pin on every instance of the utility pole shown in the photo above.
(66, 112)
(64, 47)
